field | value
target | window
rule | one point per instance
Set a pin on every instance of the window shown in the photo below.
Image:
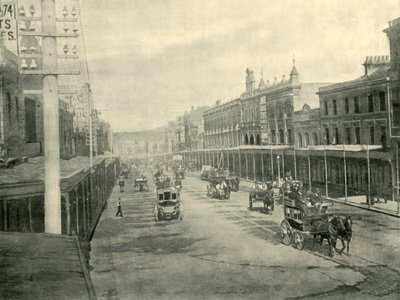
(372, 135)
(336, 136)
(307, 139)
(30, 120)
(289, 133)
(334, 107)
(382, 101)
(348, 135)
(273, 136)
(281, 137)
(326, 136)
(370, 103)
(300, 140)
(356, 105)
(346, 105)
(326, 107)
(358, 135)
(383, 136)
(315, 139)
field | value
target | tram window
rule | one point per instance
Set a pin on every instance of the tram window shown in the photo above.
(174, 196)
(167, 195)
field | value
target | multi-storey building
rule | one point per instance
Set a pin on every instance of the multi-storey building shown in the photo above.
(222, 125)
(356, 112)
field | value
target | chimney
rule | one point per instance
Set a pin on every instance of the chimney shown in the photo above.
(373, 63)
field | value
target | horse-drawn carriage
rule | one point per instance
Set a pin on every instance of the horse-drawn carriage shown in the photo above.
(140, 184)
(218, 188)
(168, 206)
(264, 193)
(303, 219)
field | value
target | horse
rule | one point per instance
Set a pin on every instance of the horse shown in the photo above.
(324, 230)
(269, 201)
(344, 232)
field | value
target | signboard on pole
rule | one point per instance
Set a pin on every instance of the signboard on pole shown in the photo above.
(8, 24)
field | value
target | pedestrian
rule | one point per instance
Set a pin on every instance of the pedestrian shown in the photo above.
(121, 185)
(119, 209)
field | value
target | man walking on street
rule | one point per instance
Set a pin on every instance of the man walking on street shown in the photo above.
(119, 209)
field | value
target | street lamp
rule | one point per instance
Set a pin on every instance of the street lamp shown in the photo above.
(279, 170)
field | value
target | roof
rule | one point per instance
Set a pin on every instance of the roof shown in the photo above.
(41, 266)
(33, 170)
(379, 74)
(347, 148)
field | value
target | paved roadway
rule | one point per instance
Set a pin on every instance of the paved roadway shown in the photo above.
(221, 250)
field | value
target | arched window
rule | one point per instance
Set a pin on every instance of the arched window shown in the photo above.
(307, 141)
(315, 139)
(251, 140)
(300, 140)
(273, 137)
(258, 139)
(281, 137)
(246, 140)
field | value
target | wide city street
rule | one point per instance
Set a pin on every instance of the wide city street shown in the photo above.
(222, 250)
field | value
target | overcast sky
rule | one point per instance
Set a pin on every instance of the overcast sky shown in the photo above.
(150, 60)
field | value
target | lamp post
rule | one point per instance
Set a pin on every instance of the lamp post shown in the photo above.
(279, 170)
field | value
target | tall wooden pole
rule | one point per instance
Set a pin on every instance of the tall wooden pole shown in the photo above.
(52, 194)
(369, 178)
(309, 169)
(326, 172)
(345, 173)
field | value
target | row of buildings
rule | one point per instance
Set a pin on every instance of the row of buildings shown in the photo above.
(84, 182)
(21, 115)
(343, 134)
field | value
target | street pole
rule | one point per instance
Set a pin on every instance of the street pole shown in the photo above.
(272, 166)
(326, 172)
(345, 173)
(240, 164)
(262, 165)
(294, 157)
(309, 168)
(369, 178)
(90, 129)
(283, 163)
(397, 178)
(254, 165)
(279, 171)
(247, 166)
(52, 194)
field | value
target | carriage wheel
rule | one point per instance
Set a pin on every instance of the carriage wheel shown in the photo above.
(286, 233)
(298, 239)
(250, 203)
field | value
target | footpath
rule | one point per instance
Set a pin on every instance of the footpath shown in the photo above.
(389, 208)
(43, 266)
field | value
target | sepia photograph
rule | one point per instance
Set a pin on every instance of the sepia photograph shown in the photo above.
(205, 150)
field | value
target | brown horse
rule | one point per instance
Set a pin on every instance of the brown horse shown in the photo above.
(344, 232)
(324, 230)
